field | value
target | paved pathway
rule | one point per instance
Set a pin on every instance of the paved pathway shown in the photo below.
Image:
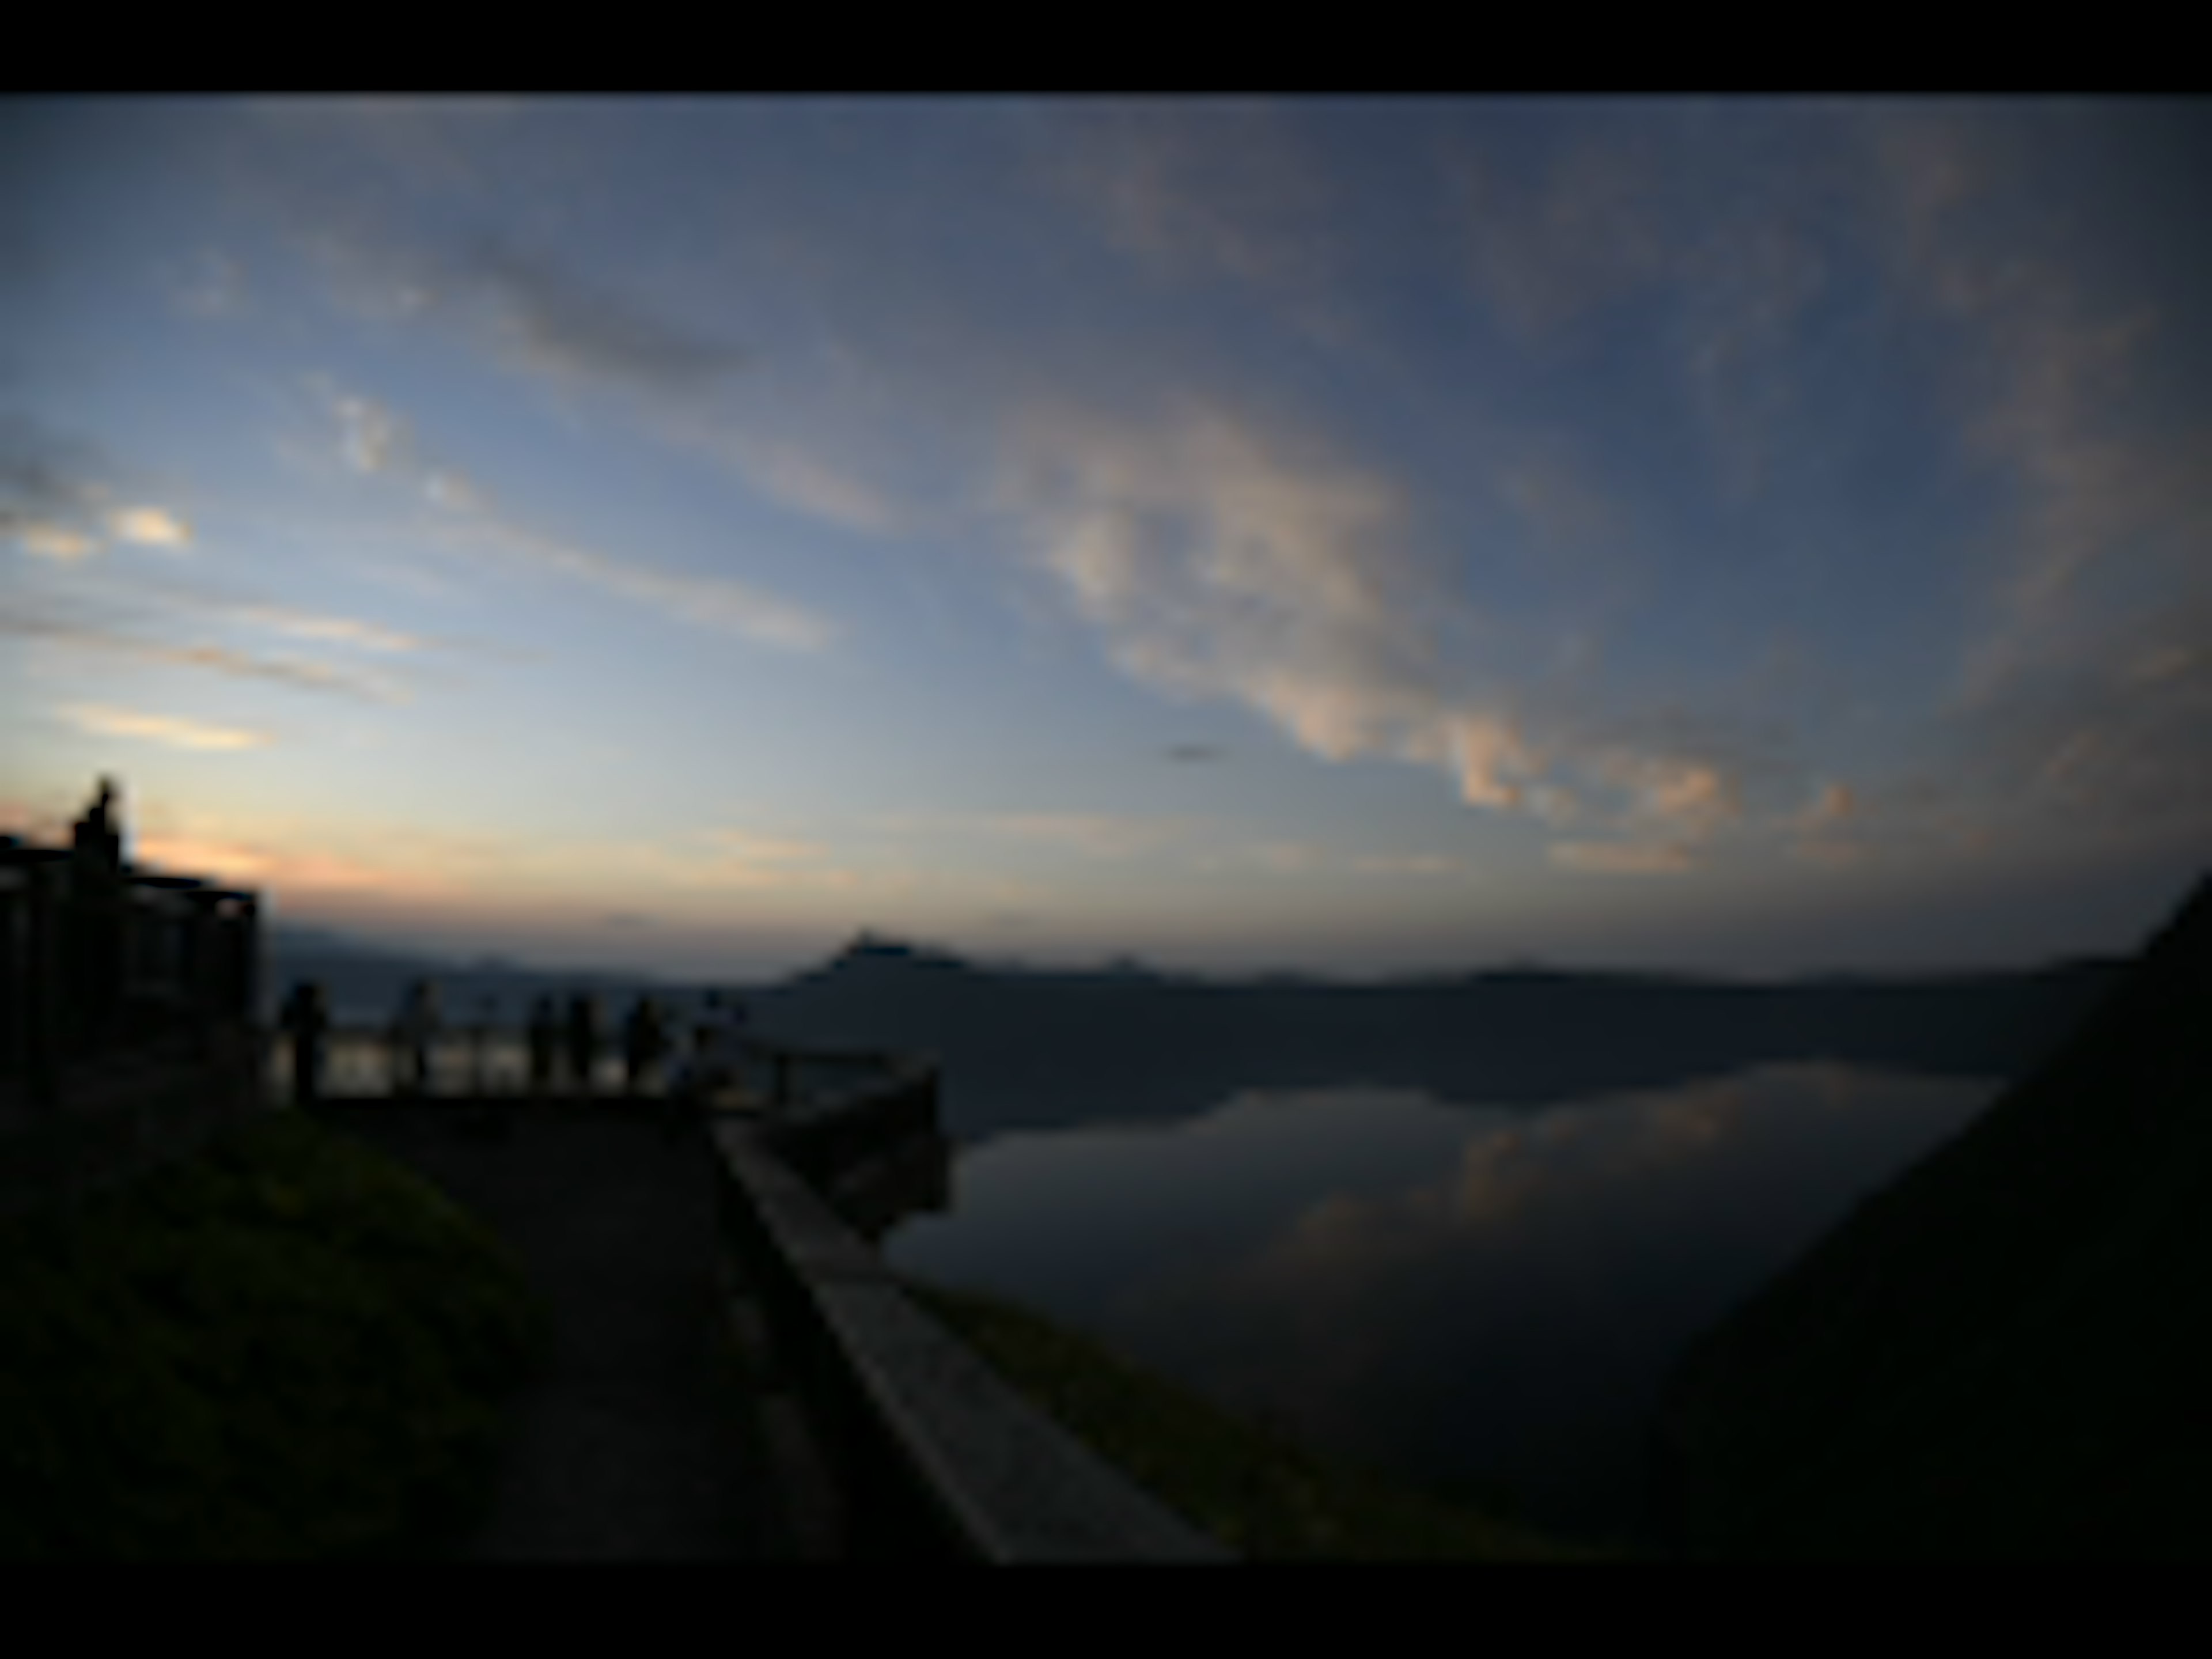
(641, 1441)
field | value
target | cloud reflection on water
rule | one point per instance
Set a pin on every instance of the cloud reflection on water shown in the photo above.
(1458, 1293)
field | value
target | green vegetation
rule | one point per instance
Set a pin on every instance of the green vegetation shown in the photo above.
(283, 1348)
(1258, 1492)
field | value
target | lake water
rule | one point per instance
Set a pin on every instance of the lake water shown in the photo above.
(1461, 1295)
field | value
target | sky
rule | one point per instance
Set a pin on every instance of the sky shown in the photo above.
(1350, 535)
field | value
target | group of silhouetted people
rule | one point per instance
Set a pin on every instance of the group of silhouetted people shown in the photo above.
(565, 1044)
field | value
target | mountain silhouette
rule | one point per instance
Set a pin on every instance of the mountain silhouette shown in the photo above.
(2006, 1352)
(1031, 1048)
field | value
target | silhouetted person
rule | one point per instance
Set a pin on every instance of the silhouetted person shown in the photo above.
(583, 1040)
(725, 1043)
(644, 1041)
(479, 1037)
(96, 837)
(307, 1021)
(544, 1044)
(96, 898)
(414, 1030)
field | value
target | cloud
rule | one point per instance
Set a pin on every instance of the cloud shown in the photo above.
(344, 630)
(174, 730)
(1290, 858)
(1094, 835)
(1584, 230)
(376, 439)
(789, 474)
(148, 526)
(378, 442)
(729, 859)
(2161, 662)
(1829, 853)
(1219, 558)
(1219, 189)
(748, 848)
(47, 477)
(301, 675)
(1407, 864)
(524, 309)
(1833, 805)
(550, 322)
(813, 486)
(1622, 858)
(717, 602)
(214, 286)
(1555, 495)
(1686, 797)
(1193, 752)
(2077, 707)
(56, 542)
(197, 856)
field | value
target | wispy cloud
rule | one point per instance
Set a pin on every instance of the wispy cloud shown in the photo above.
(1220, 558)
(172, 731)
(47, 477)
(1834, 805)
(551, 322)
(522, 307)
(1407, 864)
(721, 603)
(378, 441)
(56, 542)
(810, 483)
(148, 526)
(344, 630)
(212, 285)
(1585, 230)
(1622, 858)
(1217, 188)
(302, 674)
(1094, 835)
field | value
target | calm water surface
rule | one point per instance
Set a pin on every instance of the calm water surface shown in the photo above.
(1464, 1296)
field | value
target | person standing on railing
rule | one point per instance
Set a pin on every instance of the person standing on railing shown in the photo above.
(544, 1044)
(583, 1040)
(96, 918)
(307, 1021)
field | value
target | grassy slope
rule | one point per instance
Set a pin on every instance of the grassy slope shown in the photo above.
(286, 1348)
(1260, 1494)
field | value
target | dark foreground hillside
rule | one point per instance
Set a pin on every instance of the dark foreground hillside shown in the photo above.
(286, 1348)
(2008, 1352)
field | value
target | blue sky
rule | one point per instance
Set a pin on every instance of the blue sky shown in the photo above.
(1350, 534)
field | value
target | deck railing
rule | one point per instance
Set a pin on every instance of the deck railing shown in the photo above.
(126, 1033)
(92, 968)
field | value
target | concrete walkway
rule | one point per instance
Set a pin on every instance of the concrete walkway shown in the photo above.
(641, 1440)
